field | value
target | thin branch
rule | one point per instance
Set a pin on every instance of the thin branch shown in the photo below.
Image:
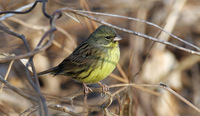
(75, 19)
(64, 109)
(122, 72)
(32, 52)
(22, 37)
(135, 33)
(44, 9)
(29, 111)
(19, 10)
(18, 91)
(28, 25)
(158, 85)
(147, 57)
(54, 17)
(7, 73)
(112, 95)
(118, 78)
(139, 20)
(45, 28)
(179, 96)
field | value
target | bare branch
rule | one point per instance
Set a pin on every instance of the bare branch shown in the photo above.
(19, 11)
(139, 20)
(7, 73)
(64, 109)
(136, 33)
(18, 91)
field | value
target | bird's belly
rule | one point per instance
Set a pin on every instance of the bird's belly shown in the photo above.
(104, 68)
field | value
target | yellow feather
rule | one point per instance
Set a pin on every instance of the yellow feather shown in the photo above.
(109, 63)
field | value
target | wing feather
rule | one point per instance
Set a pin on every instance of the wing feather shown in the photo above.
(80, 60)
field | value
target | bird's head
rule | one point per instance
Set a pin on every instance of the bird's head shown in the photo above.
(104, 36)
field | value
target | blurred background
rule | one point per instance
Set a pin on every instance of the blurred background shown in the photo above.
(140, 61)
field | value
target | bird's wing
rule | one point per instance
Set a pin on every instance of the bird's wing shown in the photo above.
(82, 57)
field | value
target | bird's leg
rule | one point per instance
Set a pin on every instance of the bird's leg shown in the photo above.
(86, 89)
(104, 87)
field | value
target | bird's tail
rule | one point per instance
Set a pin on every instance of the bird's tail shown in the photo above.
(49, 71)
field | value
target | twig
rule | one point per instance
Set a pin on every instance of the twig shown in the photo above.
(122, 72)
(129, 74)
(147, 57)
(18, 91)
(137, 33)
(44, 28)
(19, 11)
(7, 73)
(44, 9)
(64, 109)
(171, 21)
(75, 19)
(22, 37)
(90, 23)
(139, 20)
(28, 25)
(85, 107)
(112, 95)
(108, 101)
(179, 96)
(118, 78)
(53, 19)
(158, 85)
(120, 104)
(30, 53)
(29, 110)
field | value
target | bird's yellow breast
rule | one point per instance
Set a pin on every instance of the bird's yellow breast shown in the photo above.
(104, 67)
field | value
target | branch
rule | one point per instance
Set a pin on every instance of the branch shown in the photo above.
(19, 10)
(137, 33)
(18, 91)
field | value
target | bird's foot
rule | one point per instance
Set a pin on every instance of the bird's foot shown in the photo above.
(105, 88)
(86, 89)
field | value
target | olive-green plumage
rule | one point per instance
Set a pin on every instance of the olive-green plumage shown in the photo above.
(93, 60)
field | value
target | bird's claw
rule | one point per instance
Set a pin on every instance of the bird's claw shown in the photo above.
(87, 89)
(105, 88)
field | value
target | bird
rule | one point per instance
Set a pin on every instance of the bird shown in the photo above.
(92, 60)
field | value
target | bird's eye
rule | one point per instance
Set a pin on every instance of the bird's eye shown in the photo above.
(108, 37)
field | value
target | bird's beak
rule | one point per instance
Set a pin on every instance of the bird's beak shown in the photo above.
(117, 38)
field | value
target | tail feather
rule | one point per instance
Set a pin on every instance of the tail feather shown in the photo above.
(49, 71)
